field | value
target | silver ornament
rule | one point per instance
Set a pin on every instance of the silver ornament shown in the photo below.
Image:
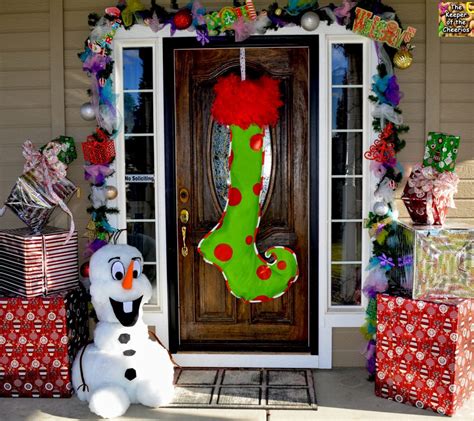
(87, 111)
(380, 208)
(310, 21)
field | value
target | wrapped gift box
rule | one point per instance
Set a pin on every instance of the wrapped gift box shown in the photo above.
(38, 264)
(424, 352)
(429, 205)
(441, 151)
(433, 261)
(32, 202)
(39, 339)
(98, 152)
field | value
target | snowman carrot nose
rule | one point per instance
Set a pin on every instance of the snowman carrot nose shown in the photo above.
(128, 280)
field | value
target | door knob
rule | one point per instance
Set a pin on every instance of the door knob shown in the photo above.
(184, 216)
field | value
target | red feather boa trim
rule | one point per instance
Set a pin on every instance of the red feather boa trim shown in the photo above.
(246, 102)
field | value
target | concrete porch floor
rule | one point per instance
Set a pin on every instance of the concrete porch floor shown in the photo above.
(343, 394)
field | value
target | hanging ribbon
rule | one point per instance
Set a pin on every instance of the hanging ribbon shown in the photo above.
(242, 64)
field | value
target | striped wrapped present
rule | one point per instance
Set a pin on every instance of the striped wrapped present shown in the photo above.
(32, 265)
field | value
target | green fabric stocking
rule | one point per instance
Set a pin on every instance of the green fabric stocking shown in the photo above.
(230, 246)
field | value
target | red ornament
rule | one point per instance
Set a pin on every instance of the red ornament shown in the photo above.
(382, 150)
(183, 19)
(85, 270)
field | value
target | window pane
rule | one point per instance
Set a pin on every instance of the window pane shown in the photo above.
(345, 284)
(138, 68)
(220, 145)
(347, 64)
(139, 155)
(346, 241)
(138, 112)
(150, 272)
(142, 236)
(347, 154)
(140, 201)
(346, 198)
(346, 108)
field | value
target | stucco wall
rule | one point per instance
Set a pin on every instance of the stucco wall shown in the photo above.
(42, 87)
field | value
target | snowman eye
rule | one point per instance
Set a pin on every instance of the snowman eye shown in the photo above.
(137, 269)
(118, 271)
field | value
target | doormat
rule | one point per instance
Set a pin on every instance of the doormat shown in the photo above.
(244, 388)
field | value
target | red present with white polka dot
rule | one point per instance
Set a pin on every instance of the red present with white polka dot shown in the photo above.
(425, 352)
(39, 338)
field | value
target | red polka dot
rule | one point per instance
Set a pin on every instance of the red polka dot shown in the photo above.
(264, 272)
(257, 188)
(256, 141)
(235, 197)
(281, 265)
(223, 252)
(249, 239)
(231, 159)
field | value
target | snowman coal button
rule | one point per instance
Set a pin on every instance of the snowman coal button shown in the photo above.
(130, 374)
(124, 338)
(129, 352)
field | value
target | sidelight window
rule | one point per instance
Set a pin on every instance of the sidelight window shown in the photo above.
(138, 89)
(346, 180)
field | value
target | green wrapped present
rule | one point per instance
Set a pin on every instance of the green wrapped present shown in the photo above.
(68, 151)
(441, 151)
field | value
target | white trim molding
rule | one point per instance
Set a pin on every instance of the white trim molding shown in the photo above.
(328, 318)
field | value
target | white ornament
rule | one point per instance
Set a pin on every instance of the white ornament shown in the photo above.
(87, 111)
(309, 21)
(380, 208)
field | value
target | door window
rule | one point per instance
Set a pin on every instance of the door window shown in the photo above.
(220, 149)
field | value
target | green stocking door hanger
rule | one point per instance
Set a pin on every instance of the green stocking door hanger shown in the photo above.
(247, 107)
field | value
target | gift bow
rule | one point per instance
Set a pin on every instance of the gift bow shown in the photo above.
(435, 185)
(48, 170)
(96, 174)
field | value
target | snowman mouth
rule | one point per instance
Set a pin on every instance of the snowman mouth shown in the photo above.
(126, 312)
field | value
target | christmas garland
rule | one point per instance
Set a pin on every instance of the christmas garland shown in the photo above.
(369, 18)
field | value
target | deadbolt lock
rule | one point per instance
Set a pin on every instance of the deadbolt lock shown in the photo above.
(183, 195)
(184, 216)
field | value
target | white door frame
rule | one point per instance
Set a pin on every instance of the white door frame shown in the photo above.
(328, 318)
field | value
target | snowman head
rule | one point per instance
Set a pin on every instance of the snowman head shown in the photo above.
(118, 287)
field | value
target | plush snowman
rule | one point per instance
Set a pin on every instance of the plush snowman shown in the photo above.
(123, 365)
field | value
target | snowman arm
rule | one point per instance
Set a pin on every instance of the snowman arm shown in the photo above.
(83, 385)
(166, 349)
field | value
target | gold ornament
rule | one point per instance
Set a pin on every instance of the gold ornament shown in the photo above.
(278, 11)
(111, 193)
(403, 58)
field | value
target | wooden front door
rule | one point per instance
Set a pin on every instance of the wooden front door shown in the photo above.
(210, 318)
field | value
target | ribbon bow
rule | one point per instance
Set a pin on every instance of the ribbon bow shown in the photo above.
(382, 149)
(96, 174)
(48, 170)
(133, 6)
(385, 261)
